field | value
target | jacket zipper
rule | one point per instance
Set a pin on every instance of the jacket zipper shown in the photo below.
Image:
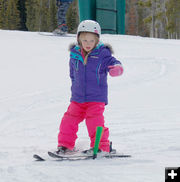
(85, 83)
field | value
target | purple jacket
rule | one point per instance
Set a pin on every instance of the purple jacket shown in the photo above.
(89, 82)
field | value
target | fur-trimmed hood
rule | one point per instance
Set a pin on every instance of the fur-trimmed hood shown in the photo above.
(107, 45)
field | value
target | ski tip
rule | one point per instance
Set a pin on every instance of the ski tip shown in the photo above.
(38, 158)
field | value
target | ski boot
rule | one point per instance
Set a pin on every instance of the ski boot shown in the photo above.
(91, 151)
(64, 151)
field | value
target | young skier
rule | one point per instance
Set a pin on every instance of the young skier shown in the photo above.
(90, 62)
(63, 6)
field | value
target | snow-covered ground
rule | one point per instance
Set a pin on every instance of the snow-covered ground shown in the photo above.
(143, 112)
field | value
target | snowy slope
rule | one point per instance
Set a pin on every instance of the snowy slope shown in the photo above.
(143, 112)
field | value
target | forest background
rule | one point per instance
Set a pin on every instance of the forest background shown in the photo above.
(147, 18)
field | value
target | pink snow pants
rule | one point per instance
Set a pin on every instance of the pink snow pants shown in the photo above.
(92, 112)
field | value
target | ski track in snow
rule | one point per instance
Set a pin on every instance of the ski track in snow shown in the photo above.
(142, 115)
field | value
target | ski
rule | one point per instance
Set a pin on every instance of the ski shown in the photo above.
(56, 35)
(85, 157)
(78, 157)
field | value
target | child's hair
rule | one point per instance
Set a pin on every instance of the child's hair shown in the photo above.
(81, 34)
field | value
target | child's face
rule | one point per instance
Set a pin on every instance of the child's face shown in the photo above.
(88, 41)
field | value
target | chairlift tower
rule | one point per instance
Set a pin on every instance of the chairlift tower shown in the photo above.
(110, 14)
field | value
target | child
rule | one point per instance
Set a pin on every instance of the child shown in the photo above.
(90, 61)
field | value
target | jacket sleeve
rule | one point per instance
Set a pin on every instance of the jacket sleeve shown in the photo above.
(108, 59)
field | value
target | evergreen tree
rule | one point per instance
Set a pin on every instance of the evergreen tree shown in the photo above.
(3, 6)
(42, 12)
(32, 18)
(51, 17)
(173, 18)
(72, 17)
(41, 15)
(12, 15)
(9, 15)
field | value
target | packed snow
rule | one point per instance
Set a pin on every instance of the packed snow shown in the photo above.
(142, 115)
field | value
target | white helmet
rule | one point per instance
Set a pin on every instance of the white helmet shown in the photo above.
(89, 26)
